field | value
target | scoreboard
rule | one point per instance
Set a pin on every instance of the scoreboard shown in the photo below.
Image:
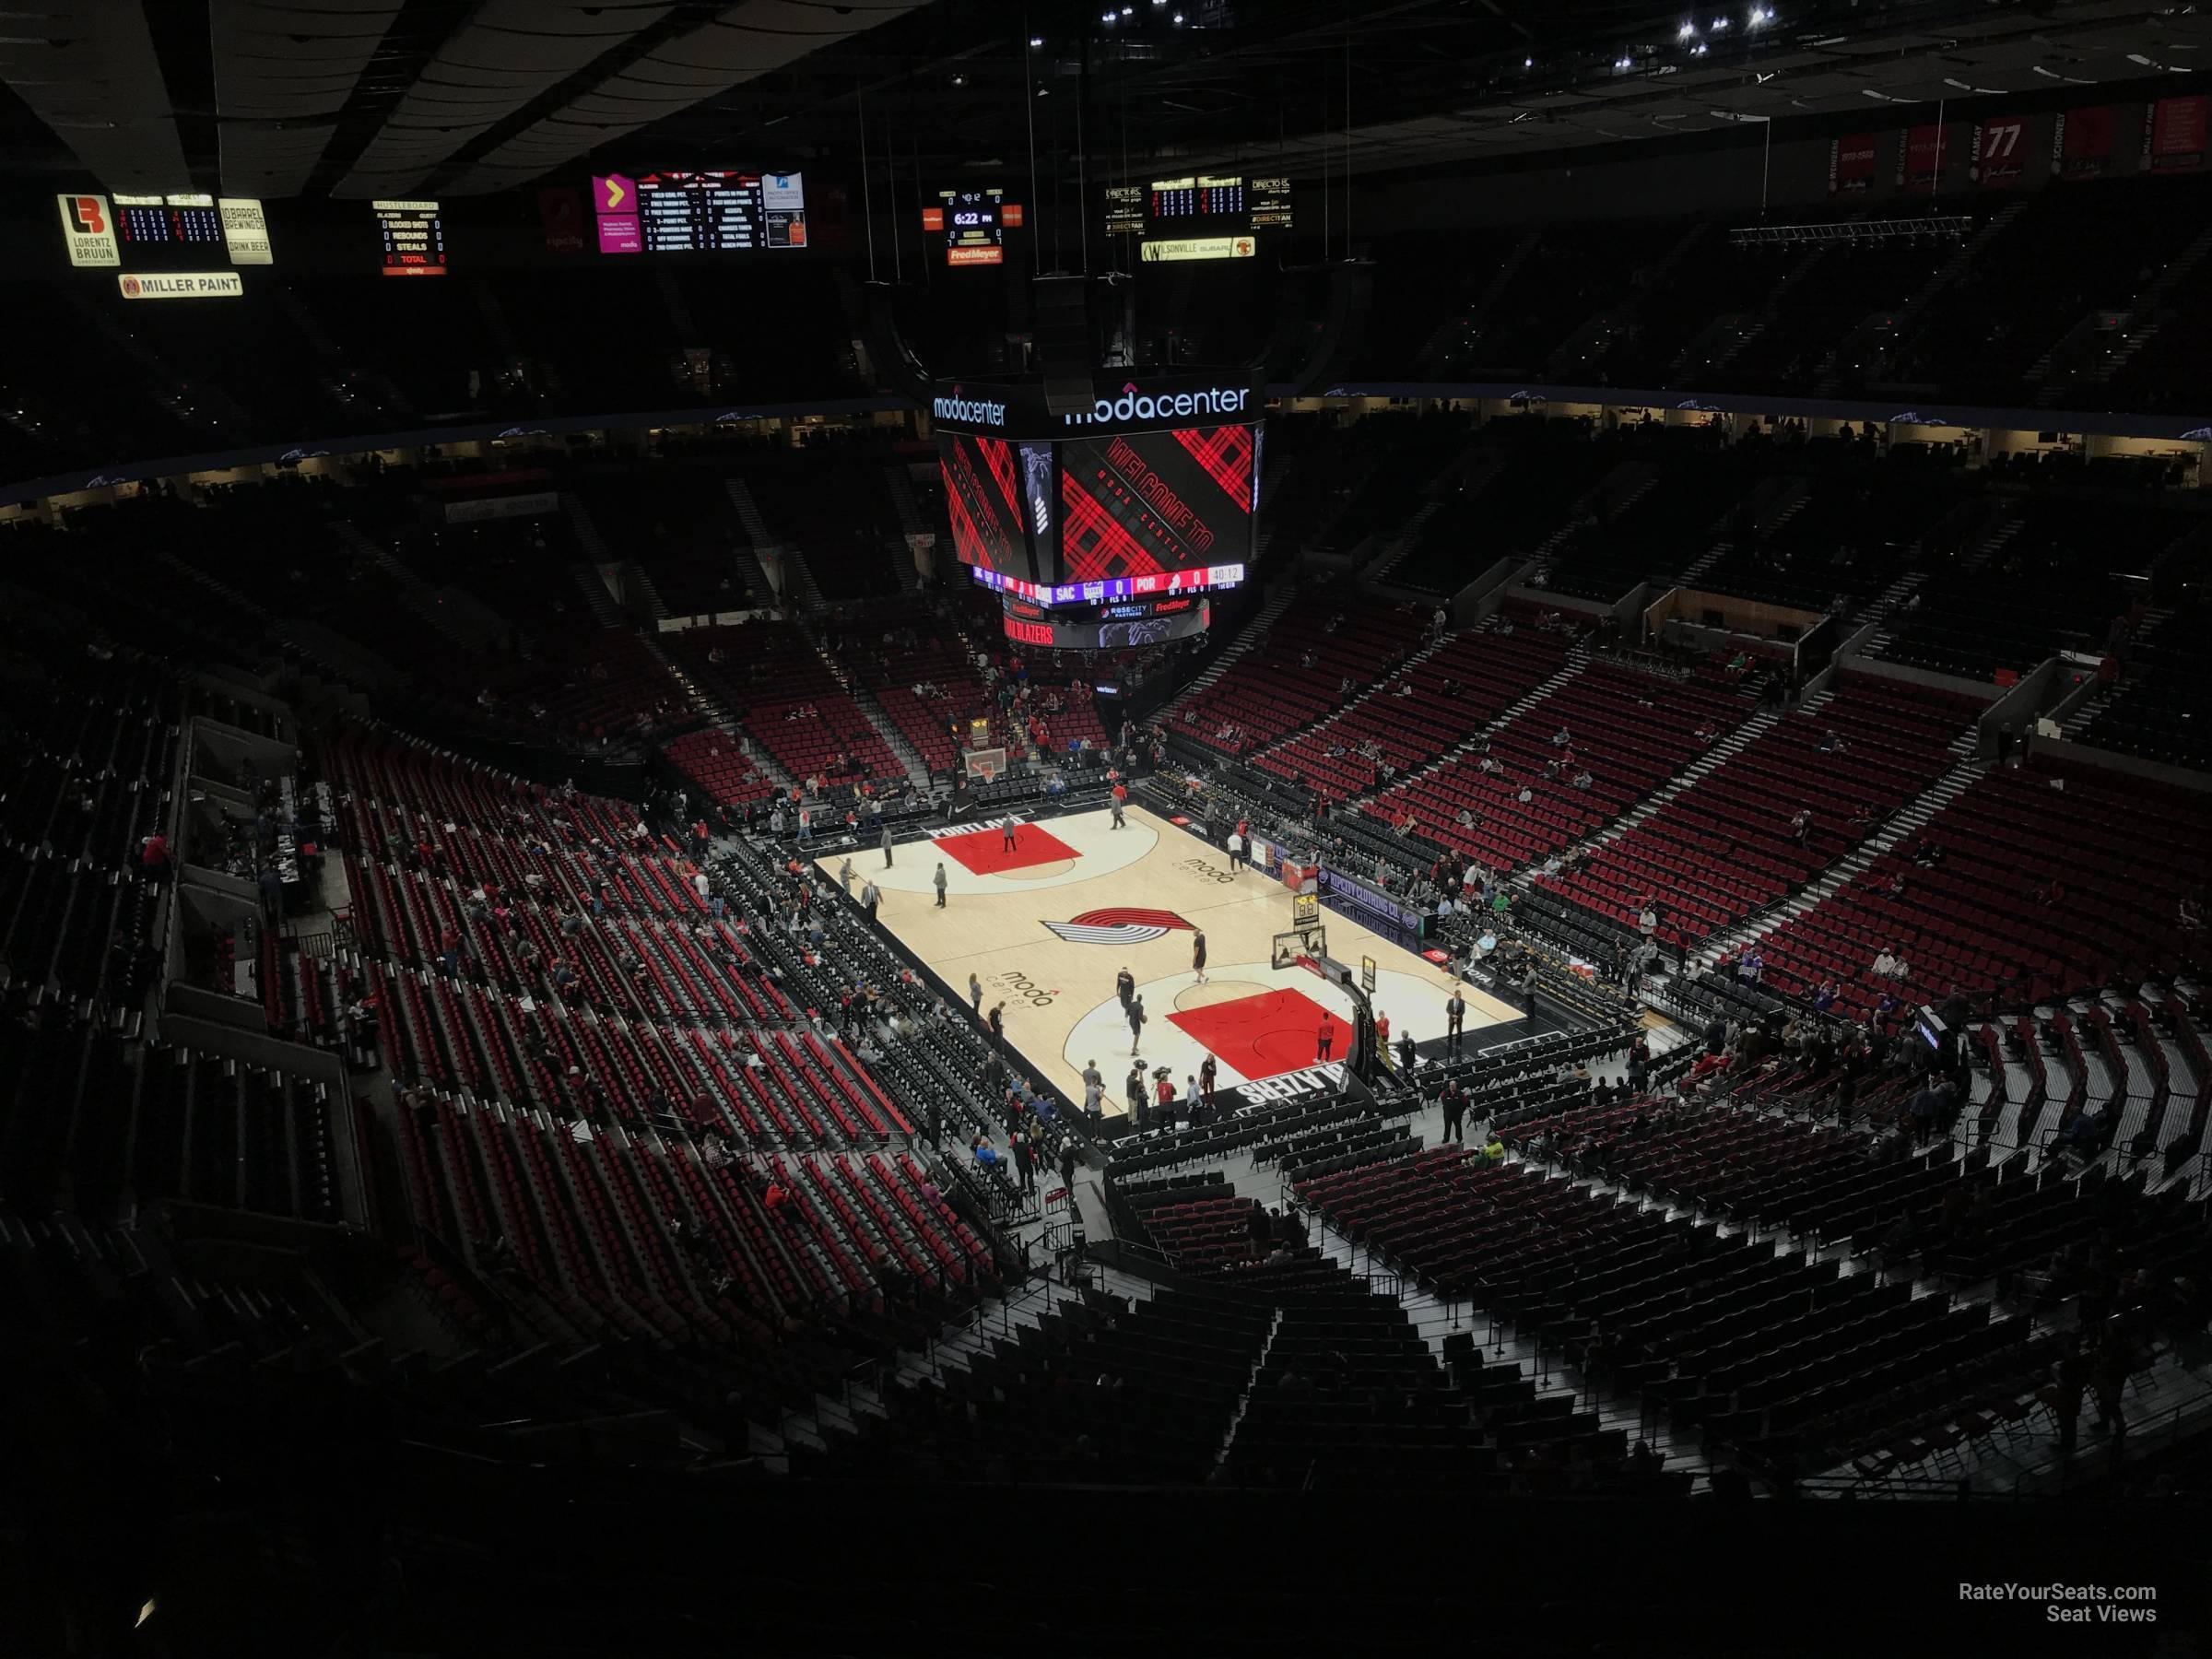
(974, 224)
(165, 237)
(152, 220)
(701, 212)
(1200, 216)
(1197, 198)
(414, 236)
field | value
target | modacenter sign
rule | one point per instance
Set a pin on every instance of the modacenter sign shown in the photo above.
(1105, 407)
(180, 285)
(1209, 403)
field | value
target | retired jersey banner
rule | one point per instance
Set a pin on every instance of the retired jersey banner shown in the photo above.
(2173, 134)
(1920, 157)
(2081, 142)
(1851, 164)
(2000, 154)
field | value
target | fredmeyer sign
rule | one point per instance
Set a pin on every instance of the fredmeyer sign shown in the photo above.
(1146, 403)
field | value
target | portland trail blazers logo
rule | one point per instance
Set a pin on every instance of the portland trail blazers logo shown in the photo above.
(1119, 926)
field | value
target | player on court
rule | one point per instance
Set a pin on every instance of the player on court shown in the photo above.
(1327, 1039)
(1198, 954)
(1005, 834)
(1121, 795)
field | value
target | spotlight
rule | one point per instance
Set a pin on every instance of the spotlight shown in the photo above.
(1035, 42)
(1718, 26)
(1687, 31)
(959, 80)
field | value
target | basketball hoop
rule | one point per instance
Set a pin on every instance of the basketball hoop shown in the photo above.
(985, 764)
(1304, 948)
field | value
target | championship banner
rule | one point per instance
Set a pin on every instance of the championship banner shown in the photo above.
(1851, 164)
(2000, 152)
(2081, 142)
(2173, 134)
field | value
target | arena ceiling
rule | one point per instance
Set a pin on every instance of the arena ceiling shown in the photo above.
(454, 98)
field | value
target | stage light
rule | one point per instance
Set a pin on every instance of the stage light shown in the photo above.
(1687, 31)
(1035, 42)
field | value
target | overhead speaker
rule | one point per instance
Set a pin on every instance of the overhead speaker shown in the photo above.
(1330, 352)
(872, 309)
(1061, 330)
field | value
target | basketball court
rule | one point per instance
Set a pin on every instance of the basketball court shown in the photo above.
(1047, 922)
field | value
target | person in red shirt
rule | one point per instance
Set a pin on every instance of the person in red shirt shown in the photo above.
(1327, 1038)
(153, 856)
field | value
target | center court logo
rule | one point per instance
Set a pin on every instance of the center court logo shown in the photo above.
(1119, 926)
(1135, 405)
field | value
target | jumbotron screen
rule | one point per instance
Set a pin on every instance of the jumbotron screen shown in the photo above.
(1142, 503)
(983, 497)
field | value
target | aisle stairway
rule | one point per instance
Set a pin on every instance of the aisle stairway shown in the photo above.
(1250, 635)
(1578, 658)
(1910, 818)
